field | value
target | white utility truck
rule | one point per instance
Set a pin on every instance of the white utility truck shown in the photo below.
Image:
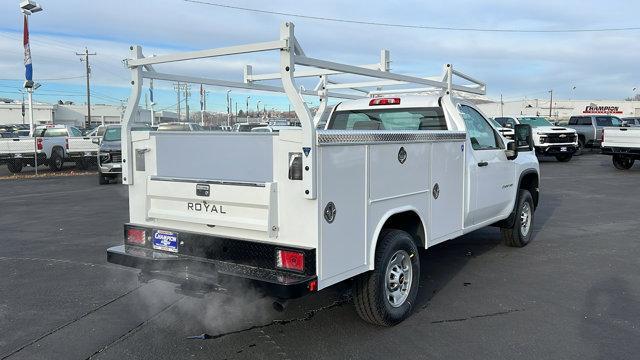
(623, 144)
(299, 210)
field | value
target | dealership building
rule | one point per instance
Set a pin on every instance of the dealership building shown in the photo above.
(75, 115)
(560, 109)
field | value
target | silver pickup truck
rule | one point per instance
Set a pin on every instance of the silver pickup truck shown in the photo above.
(589, 128)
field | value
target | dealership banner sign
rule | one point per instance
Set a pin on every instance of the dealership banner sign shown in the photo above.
(592, 109)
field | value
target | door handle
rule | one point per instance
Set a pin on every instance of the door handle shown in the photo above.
(483, 163)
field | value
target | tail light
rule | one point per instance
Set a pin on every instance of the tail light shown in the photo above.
(66, 143)
(290, 260)
(136, 236)
(602, 138)
(384, 101)
(39, 143)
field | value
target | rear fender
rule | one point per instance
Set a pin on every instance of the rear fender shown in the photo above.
(379, 227)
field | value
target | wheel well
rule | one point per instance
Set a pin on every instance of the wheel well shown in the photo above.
(530, 182)
(581, 137)
(410, 222)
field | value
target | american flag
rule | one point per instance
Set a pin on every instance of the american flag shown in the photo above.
(27, 52)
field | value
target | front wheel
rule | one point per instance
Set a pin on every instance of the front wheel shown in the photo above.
(15, 166)
(519, 234)
(385, 296)
(564, 157)
(621, 162)
(103, 179)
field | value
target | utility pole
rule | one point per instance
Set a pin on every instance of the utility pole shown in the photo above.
(228, 108)
(501, 106)
(187, 93)
(248, 97)
(176, 87)
(550, 104)
(86, 55)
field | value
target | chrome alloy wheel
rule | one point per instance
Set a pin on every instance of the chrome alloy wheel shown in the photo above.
(398, 278)
(525, 219)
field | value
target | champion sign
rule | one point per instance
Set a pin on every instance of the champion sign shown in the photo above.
(591, 109)
(165, 240)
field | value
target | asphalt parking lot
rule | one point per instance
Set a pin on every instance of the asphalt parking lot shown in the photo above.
(573, 293)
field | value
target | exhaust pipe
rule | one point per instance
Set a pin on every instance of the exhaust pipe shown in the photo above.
(280, 305)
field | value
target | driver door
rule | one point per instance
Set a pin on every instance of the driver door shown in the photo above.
(491, 174)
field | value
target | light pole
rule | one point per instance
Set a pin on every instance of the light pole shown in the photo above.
(258, 108)
(248, 97)
(28, 7)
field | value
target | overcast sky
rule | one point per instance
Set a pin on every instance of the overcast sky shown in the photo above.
(600, 65)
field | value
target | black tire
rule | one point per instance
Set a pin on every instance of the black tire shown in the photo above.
(370, 289)
(103, 179)
(82, 164)
(515, 236)
(580, 147)
(621, 162)
(564, 157)
(56, 161)
(15, 166)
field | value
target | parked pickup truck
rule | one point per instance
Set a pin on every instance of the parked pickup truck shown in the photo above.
(299, 210)
(548, 139)
(589, 128)
(623, 144)
(110, 154)
(54, 144)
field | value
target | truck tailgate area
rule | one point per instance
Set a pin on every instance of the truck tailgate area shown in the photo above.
(234, 205)
(622, 137)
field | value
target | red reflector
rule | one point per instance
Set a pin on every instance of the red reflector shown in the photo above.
(39, 143)
(136, 236)
(290, 260)
(313, 285)
(384, 101)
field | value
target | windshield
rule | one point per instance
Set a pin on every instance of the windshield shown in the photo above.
(389, 119)
(535, 121)
(112, 134)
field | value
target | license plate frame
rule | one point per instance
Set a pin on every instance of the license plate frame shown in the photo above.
(563, 149)
(165, 240)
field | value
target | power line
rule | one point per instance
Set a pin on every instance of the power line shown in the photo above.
(408, 26)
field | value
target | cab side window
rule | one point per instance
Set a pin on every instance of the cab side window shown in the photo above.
(481, 134)
(75, 132)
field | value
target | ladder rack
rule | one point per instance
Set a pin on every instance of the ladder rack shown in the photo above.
(291, 54)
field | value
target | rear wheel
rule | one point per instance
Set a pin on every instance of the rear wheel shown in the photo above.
(622, 162)
(82, 164)
(56, 161)
(15, 166)
(385, 296)
(564, 157)
(519, 234)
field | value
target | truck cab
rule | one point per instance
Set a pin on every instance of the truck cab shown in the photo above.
(299, 210)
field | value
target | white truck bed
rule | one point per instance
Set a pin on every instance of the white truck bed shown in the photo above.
(83, 145)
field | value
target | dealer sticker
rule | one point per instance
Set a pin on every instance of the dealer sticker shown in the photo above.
(165, 240)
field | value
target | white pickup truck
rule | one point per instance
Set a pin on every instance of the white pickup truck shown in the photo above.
(54, 144)
(548, 139)
(299, 210)
(623, 144)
